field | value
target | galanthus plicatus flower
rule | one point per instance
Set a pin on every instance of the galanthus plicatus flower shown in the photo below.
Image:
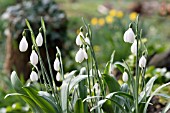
(33, 76)
(87, 40)
(142, 62)
(129, 36)
(39, 39)
(56, 64)
(34, 58)
(81, 55)
(79, 40)
(97, 88)
(23, 45)
(13, 73)
(58, 77)
(134, 47)
(125, 77)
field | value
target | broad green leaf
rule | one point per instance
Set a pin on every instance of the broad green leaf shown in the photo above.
(154, 93)
(147, 89)
(79, 108)
(16, 83)
(112, 83)
(44, 104)
(34, 107)
(64, 96)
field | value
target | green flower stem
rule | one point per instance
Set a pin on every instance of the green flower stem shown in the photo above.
(137, 67)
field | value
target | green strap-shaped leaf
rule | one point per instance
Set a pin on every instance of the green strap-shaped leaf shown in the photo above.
(34, 107)
(44, 104)
(79, 108)
(112, 83)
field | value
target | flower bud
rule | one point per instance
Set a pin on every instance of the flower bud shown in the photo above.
(56, 64)
(78, 39)
(23, 45)
(129, 36)
(33, 76)
(39, 39)
(81, 55)
(34, 58)
(134, 48)
(58, 77)
(125, 77)
(142, 62)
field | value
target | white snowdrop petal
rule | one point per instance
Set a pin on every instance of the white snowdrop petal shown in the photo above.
(78, 39)
(85, 54)
(129, 36)
(56, 64)
(33, 76)
(23, 45)
(58, 76)
(142, 62)
(125, 77)
(79, 56)
(34, 58)
(134, 48)
(39, 40)
(87, 40)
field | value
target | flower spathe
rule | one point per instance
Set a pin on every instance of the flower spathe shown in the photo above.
(142, 62)
(39, 39)
(34, 58)
(56, 64)
(81, 55)
(33, 76)
(23, 45)
(125, 77)
(134, 48)
(78, 39)
(129, 36)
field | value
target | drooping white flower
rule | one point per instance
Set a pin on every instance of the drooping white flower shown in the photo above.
(125, 77)
(142, 62)
(58, 77)
(23, 45)
(81, 55)
(39, 39)
(87, 40)
(56, 64)
(33, 76)
(134, 47)
(78, 39)
(34, 58)
(129, 36)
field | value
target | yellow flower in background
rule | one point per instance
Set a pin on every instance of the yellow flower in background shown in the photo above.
(94, 21)
(101, 21)
(120, 82)
(112, 12)
(109, 19)
(97, 48)
(133, 16)
(119, 14)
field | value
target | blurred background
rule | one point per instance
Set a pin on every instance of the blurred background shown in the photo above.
(108, 19)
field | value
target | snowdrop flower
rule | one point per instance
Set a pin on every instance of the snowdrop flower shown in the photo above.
(43, 93)
(58, 77)
(167, 75)
(97, 88)
(56, 64)
(125, 77)
(129, 36)
(134, 47)
(81, 55)
(34, 58)
(142, 62)
(39, 39)
(87, 40)
(78, 39)
(23, 45)
(33, 76)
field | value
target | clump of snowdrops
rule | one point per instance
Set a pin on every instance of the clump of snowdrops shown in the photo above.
(88, 90)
